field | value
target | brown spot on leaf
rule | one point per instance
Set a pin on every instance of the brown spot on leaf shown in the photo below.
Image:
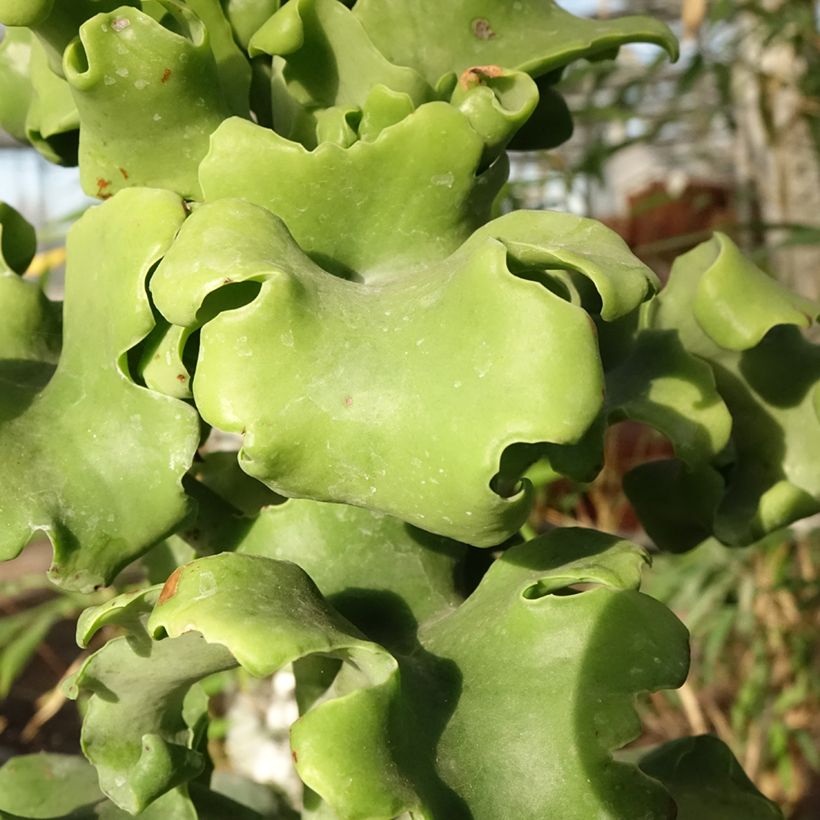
(482, 29)
(124, 173)
(181, 377)
(102, 188)
(348, 401)
(170, 588)
(166, 75)
(294, 755)
(473, 76)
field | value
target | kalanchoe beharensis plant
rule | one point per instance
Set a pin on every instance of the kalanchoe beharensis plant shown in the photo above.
(297, 245)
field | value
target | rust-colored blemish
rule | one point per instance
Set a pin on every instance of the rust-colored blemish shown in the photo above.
(294, 755)
(348, 401)
(170, 588)
(124, 173)
(166, 75)
(181, 377)
(102, 186)
(482, 29)
(227, 280)
(474, 75)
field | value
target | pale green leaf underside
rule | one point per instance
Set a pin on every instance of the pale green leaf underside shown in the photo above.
(560, 671)
(378, 395)
(536, 36)
(87, 456)
(746, 327)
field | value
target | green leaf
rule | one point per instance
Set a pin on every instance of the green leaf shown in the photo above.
(560, 670)
(535, 36)
(48, 785)
(746, 327)
(55, 22)
(148, 99)
(247, 16)
(36, 105)
(64, 787)
(324, 59)
(365, 221)
(383, 575)
(415, 425)
(707, 782)
(87, 456)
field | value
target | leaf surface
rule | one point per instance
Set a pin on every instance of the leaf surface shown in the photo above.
(747, 328)
(707, 782)
(409, 733)
(412, 425)
(536, 36)
(85, 452)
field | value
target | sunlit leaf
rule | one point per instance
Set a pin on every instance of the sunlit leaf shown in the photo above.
(87, 456)
(415, 424)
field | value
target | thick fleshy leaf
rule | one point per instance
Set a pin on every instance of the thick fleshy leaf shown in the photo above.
(560, 670)
(87, 456)
(139, 739)
(65, 787)
(707, 782)
(416, 206)
(26, 786)
(247, 17)
(415, 424)
(324, 59)
(55, 22)
(383, 575)
(536, 36)
(36, 105)
(148, 98)
(135, 730)
(746, 327)
(232, 65)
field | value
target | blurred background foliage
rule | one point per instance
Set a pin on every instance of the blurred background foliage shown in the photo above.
(726, 138)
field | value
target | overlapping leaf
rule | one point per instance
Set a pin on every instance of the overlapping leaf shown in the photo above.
(148, 99)
(536, 36)
(559, 670)
(374, 208)
(327, 71)
(412, 424)
(55, 22)
(87, 456)
(36, 105)
(746, 327)
(374, 569)
(64, 787)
